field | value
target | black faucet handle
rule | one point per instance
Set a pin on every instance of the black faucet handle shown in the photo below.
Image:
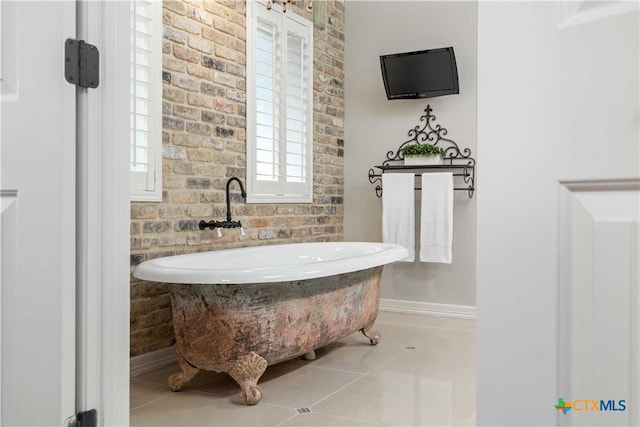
(211, 224)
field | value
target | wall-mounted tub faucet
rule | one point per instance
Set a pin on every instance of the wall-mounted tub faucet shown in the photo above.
(228, 223)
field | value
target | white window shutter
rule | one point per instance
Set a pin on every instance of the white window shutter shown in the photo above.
(268, 92)
(279, 106)
(298, 112)
(146, 100)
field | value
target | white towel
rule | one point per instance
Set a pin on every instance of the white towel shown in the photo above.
(398, 211)
(436, 217)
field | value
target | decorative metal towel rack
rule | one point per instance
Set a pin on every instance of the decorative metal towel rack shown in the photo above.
(454, 159)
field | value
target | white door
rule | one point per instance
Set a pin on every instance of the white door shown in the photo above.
(38, 168)
(558, 213)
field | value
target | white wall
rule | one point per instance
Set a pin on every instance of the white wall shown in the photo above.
(374, 125)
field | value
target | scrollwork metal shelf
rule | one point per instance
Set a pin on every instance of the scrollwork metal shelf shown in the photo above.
(460, 161)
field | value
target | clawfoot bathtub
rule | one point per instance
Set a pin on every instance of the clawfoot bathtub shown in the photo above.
(240, 310)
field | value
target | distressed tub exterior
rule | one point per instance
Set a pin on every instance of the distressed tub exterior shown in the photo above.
(240, 328)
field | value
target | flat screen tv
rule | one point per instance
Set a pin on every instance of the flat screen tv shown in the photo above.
(421, 74)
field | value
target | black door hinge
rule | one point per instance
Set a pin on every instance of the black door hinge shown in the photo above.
(83, 419)
(81, 63)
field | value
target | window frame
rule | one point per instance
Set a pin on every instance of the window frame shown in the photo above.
(152, 178)
(280, 191)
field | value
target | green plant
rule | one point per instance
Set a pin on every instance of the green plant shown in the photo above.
(421, 150)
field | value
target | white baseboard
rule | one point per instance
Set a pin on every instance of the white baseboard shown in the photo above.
(148, 362)
(427, 308)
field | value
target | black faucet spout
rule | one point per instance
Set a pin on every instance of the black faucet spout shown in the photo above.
(242, 192)
(228, 223)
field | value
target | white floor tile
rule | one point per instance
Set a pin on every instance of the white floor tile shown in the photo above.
(199, 409)
(398, 400)
(420, 374)
(314, 419)
(144, 393)
(305, 387)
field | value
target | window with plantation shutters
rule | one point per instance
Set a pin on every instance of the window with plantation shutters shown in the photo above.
(279, 105)
(146, 100)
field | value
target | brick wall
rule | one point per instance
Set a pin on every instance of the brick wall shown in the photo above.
(204, 134)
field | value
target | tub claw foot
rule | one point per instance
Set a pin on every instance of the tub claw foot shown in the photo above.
(374, 336)
(246, 372)
(177, 380)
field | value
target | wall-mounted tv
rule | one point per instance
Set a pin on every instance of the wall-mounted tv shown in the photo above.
(421, 74)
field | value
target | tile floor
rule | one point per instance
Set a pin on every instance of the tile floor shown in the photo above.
(421, 374)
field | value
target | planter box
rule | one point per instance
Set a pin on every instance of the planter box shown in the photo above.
(422, 160)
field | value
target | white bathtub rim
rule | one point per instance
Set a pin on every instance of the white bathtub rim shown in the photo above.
(168, 270)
